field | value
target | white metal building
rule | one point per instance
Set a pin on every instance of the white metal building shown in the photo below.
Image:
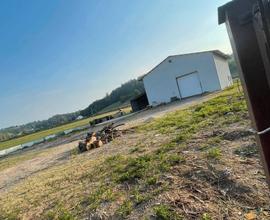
(187, 75)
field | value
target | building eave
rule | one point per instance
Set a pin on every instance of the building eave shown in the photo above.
(216, 52)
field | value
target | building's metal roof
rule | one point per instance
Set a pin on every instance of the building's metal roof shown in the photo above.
(216, 52)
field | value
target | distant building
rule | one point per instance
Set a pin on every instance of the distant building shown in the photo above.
(182, 76)
(79, 117)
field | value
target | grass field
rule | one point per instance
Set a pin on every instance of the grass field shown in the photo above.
(42, 134)
(114, 106)
(194, 163)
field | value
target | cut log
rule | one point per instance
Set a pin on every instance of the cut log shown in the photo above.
(98, 143)
(96, 140)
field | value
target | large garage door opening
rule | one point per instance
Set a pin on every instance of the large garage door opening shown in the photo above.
(189, 85)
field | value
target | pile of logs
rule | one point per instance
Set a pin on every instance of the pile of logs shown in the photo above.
(97, 139)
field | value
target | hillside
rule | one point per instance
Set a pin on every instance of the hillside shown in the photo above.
(36, 126)
(200, 162)
(117, 98)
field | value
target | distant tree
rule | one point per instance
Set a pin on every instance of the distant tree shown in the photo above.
(122, 94)
(5, 136)
(35, 126)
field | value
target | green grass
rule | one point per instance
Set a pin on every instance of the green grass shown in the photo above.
(114, 107)
(59, 213)
(206, 216)
(42, 134)
(164, 212)
(85, 184)
(103, 193)
(214, 153)
(125, 209)
(186, 122)
(137, 149)
(146, 166)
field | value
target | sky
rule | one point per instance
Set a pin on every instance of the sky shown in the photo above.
(57, 56)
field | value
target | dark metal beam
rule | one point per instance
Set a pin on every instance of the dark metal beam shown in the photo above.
(248, 42)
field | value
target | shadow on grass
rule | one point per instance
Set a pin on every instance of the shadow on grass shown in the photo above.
(223, 183)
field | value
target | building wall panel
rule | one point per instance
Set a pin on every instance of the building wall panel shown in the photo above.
(161, 83)
(223, 72)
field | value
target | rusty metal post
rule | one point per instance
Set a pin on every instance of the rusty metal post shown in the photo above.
(248, 38)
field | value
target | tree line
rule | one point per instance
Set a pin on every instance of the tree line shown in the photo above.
(120, 95)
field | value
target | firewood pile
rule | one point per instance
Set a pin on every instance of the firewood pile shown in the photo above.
(97, 139)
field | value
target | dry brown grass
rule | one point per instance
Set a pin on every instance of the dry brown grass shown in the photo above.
(173, 172)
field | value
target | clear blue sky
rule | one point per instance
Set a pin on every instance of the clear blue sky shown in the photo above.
(57, 56)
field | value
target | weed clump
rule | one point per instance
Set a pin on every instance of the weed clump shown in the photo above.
(60, 214)
(125, 209)
(102, 194)
(206, 216)
(164, 212)
(147, 166)
(136, 150)
(214, 153)
(135, 169)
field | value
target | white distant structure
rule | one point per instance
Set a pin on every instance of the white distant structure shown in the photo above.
(182, 76)
(79, 117)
